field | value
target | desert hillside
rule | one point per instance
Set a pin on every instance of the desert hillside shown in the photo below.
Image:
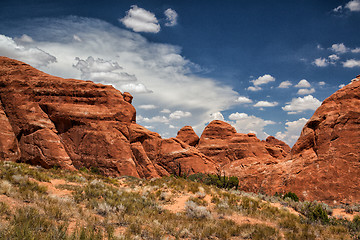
(38, 203)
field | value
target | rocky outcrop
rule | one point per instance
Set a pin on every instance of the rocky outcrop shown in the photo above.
(50, 121)
(224, 145)
(324, 162)
(328, 151)
(188, 136)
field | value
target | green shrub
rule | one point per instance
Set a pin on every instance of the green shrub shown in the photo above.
(314, 212)
(216, 180)
(292, 196)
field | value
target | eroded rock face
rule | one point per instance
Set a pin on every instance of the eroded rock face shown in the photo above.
(323, 164)
(224, 145)
(328, 150)
(50, 121)
(188, 136)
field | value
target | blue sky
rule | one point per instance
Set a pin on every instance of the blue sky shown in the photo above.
(262, 66)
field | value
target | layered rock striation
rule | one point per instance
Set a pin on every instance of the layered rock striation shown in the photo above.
(50, 121)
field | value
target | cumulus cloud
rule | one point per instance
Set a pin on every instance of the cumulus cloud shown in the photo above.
(356, 50)
(263, 80)
(341, 85)
(265, 104)
(321, 62)
(179, 114)
(292, 132)
(25, 39)
(242, 99)
(217, 116)
(285, 84)
(351, 63)
(254, 88)
(305, 91)
(324, 62)
(303, 84)
(31, 55)
(134, 88)
(245, 123)
(147, 106)
(339, 48)
(301, 104)
(353, 6)
(140, 20)
(171, 17)
(100, 70)
(334, 57)
(322, 83)
(155, 119)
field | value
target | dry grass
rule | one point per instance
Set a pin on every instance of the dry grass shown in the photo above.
(56, 204)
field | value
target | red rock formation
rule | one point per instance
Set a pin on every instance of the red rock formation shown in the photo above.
(50, 121)
(324, 163)
(171, 155)
(328, 151)
(188, 136)
(224, 145)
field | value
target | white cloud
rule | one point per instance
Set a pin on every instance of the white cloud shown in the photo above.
(134, 88)
(165, 110)
(245, 123)
(164, 77)
(77, 38)
(305, 91)
(339, 48)
(242, 99)
(322, 83)
(334, 57)
(265, 104)
(155, 119)
(25, 39)
(351, 63)
(292, 132)
(303, 84)
(171, 17)
(100, 70)
(321, 62)
(179, 114)
(30, 55)
(285, 84)
(301, 104)
(341, 85)
(353, 6)
(217, 116)
(140, 20)
(263, 80)
(254, 89)
(356, 50)
(338, 9)
(147, 107)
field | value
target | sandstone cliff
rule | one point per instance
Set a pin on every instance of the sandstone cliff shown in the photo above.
(324, 163)
(50, 121)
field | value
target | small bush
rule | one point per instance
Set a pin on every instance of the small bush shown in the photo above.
(292, 196)
(216, 180)
(195, 211)
(314, 212)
